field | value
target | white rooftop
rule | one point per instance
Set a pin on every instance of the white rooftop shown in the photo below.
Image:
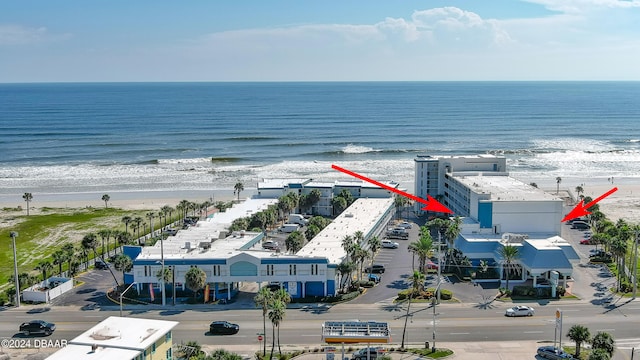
(116, 338)
(504, 188)
(280, 183)
(210, 236)
(362, 215)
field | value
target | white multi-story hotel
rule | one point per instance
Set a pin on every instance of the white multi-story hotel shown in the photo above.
(498, 210)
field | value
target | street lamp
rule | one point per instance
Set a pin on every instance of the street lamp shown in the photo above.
(14, 235)
(435, 302)
(122, 294)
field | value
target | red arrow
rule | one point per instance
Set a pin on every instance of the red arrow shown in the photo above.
(581, 209)
(431, 203)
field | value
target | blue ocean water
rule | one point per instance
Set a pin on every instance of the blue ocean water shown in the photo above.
(174, 136)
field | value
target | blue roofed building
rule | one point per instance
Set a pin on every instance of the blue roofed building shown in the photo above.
(498, 210)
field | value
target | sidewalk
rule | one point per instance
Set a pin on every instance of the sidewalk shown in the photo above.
(489, 350)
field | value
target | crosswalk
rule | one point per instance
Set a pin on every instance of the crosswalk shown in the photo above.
(628, 343)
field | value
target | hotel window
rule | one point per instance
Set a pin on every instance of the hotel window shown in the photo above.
(270, 270)
(216, 270)
(314, 269)
(153, 348)
(292, 269)
(168, 354)
(167, 336)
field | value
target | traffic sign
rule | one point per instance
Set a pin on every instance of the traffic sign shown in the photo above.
(259, 337)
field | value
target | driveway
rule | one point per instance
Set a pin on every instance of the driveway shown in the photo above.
(91, 293)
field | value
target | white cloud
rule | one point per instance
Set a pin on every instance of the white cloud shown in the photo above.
(18, 35)
(582, 6)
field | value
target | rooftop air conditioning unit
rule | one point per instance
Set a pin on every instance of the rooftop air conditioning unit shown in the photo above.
(187, 245)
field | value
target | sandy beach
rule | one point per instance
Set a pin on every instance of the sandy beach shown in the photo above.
(622, 204)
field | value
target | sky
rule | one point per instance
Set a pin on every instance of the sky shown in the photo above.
(328, 40)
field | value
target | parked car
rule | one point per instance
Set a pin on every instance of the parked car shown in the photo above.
(375, 269)
(405, 225)
(389, 244)
(520, 310)
(430, 265)
(580, 225)
(375, 278)
(550, 352)
(223, 328)
(100, 265)
(362, 353)
(586, 242)
(37, 327)
(270, 245)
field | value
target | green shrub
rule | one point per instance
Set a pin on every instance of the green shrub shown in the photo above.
(446, 294)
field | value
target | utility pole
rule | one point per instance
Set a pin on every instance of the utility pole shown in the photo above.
(435, 302)
(635, 260)
(164, 295)
(14, 235)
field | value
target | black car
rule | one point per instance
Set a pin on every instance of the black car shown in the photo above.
(223, 328)
(550, 352)
(375, 269)
(100, 265)
(37, 327)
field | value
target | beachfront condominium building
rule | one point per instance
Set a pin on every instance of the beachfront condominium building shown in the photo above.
(498, 211)
(479, 187)
(123, 339)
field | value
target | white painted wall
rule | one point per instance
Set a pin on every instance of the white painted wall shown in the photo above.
(528, 217)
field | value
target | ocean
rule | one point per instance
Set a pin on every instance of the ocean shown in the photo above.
(109, 137)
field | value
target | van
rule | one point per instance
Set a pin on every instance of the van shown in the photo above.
(289, 228)
(580, 225)
(297, 219)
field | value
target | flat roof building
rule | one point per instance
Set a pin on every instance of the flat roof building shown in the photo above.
(122, 338)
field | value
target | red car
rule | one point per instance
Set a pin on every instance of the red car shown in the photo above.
(586, 242)
(431, 266)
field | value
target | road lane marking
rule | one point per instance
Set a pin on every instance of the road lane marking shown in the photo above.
(532, 332)
(466, 333)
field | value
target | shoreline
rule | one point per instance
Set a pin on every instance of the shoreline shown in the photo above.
(622, 204)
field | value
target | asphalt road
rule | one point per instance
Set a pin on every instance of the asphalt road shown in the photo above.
(475, 318)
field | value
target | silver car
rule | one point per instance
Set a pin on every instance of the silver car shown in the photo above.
(520, 310)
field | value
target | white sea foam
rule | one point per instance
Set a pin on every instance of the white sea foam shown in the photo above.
(357, 149)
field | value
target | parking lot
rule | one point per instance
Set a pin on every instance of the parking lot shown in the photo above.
(90, 294)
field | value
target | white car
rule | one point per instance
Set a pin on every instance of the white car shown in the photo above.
(389, 244)
(405, 225)
(520, 310)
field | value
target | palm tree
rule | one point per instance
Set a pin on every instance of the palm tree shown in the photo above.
(510, 255)
(104, 235)
(417, 284)
(106, 199)
(195, 279)
(44, 266)
(237, 188)
(294, 242)
(263, 299)
(345, 269)
(603, 341)
(166, 210)
(579, 334)
(123, 263)
(421, 248)
(137, 221)
(579, 190)
(166, 278)
(59, 258)
(151, 215)
(27, 197)
(374, 243)
(69, 254)
(276, 315)
(558, 181)
(281, 296)
(90, 242)
(399, 202)
(126, 220)
(361, 255)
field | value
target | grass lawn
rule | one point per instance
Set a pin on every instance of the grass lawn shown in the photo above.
(41, 234)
